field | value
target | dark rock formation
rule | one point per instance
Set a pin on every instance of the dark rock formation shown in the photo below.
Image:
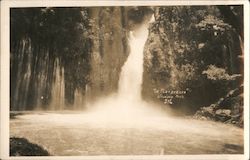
(228, 109)
(22, 147)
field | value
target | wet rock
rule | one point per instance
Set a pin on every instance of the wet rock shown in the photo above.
(22, 147)
(228, 109)
(223, 112)
(205, 113)
(233, 148)
(222, 115)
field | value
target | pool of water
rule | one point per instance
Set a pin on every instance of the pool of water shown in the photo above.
(74, 133)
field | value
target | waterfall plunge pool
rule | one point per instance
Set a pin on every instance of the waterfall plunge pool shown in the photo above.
(73, 133)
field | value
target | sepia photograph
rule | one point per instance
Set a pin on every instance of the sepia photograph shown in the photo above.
(124, 80)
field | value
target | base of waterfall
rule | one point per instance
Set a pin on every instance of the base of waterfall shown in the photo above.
(124, 132)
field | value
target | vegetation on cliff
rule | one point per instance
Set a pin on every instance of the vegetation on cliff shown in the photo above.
(195, 53)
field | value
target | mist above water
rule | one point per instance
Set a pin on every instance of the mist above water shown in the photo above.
(127, 104)
(130, 80)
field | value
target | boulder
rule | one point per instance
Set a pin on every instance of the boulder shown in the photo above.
(228, 109)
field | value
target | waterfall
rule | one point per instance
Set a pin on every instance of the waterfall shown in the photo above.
(130, 80)
(127, 104)
(131, 75)
(79, 99)
(58, 90)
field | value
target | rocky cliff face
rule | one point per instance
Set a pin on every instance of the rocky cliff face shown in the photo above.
(110, 29)
(109, 49)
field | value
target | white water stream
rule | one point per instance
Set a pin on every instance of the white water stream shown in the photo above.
(131, 75)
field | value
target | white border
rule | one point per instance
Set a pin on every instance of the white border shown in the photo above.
(5, 75)
(87, 3)
(5, 80)
(246, 80)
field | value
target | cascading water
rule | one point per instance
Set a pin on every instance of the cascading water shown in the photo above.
(58, 89)
(127, 103)
(131, 75)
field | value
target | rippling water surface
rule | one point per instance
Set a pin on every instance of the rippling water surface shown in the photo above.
(71, 133)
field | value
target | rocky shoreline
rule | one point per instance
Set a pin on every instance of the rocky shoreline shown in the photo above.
(228, 109)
